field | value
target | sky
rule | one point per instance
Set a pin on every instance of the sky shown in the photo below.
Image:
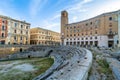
(46, 13)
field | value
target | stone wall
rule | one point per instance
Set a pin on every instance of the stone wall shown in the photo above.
(6, 50)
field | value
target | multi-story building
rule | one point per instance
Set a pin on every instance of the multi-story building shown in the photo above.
(102, 30)
(41, 36)
(14, 31)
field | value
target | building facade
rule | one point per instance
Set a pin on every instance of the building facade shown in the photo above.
(102, 30)
(14, 31)
(39, 36)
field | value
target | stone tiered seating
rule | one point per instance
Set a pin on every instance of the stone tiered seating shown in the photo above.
(66, 58)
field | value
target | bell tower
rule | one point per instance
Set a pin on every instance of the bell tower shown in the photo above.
(64, 21)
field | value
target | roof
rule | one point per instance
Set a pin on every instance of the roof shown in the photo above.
(114, 12)
(44, 29)
(6, 17)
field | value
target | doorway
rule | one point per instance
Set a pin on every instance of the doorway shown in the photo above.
(110, 43)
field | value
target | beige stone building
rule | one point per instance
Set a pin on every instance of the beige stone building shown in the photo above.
(102, 30)
(42, 36)
(14, 31)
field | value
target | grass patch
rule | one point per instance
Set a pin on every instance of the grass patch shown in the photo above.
(104, 67)
(39, 64)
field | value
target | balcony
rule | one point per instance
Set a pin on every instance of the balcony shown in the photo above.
(111, 34)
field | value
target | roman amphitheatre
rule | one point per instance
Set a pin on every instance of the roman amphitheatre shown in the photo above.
(40, 62)
(46, 63)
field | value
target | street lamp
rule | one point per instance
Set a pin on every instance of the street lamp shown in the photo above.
(62, 38)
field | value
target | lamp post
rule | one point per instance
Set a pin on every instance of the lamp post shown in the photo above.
(119, 28)
(62, 38)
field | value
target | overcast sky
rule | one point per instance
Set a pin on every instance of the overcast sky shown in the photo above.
(46, 13)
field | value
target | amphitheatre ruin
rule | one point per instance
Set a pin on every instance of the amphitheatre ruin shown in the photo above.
(69, 63)
(40, 62)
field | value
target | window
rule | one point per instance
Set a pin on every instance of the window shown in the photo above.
(67, 43)
(21, 38)
(21, 26)
(110, 18)
(26, 32)
(15, 24)
(82, 38)
(86, 24)
(74, 34)
(14, 37)
(95, 32)
(70, 34)
(78, 34)
(110, 25)
(90, 37)
(110, 29)
(91, 23)
(96, 37)
(14, 31)
(3, 21)
(117, 41)
(26, 38)
(2, 34)
(21, 32)
(86, 38)
(26, 27)
(82, 33)
(3, 27)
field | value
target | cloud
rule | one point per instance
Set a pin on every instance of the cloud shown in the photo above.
(107, 7)
(81, 10)
(104, 7)
(36, 6)
(2, 12)
(7, 9)
(78, 6)
(77, 9)
(57, 16)
(75, 18)
(86, 1)
(51, 25)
